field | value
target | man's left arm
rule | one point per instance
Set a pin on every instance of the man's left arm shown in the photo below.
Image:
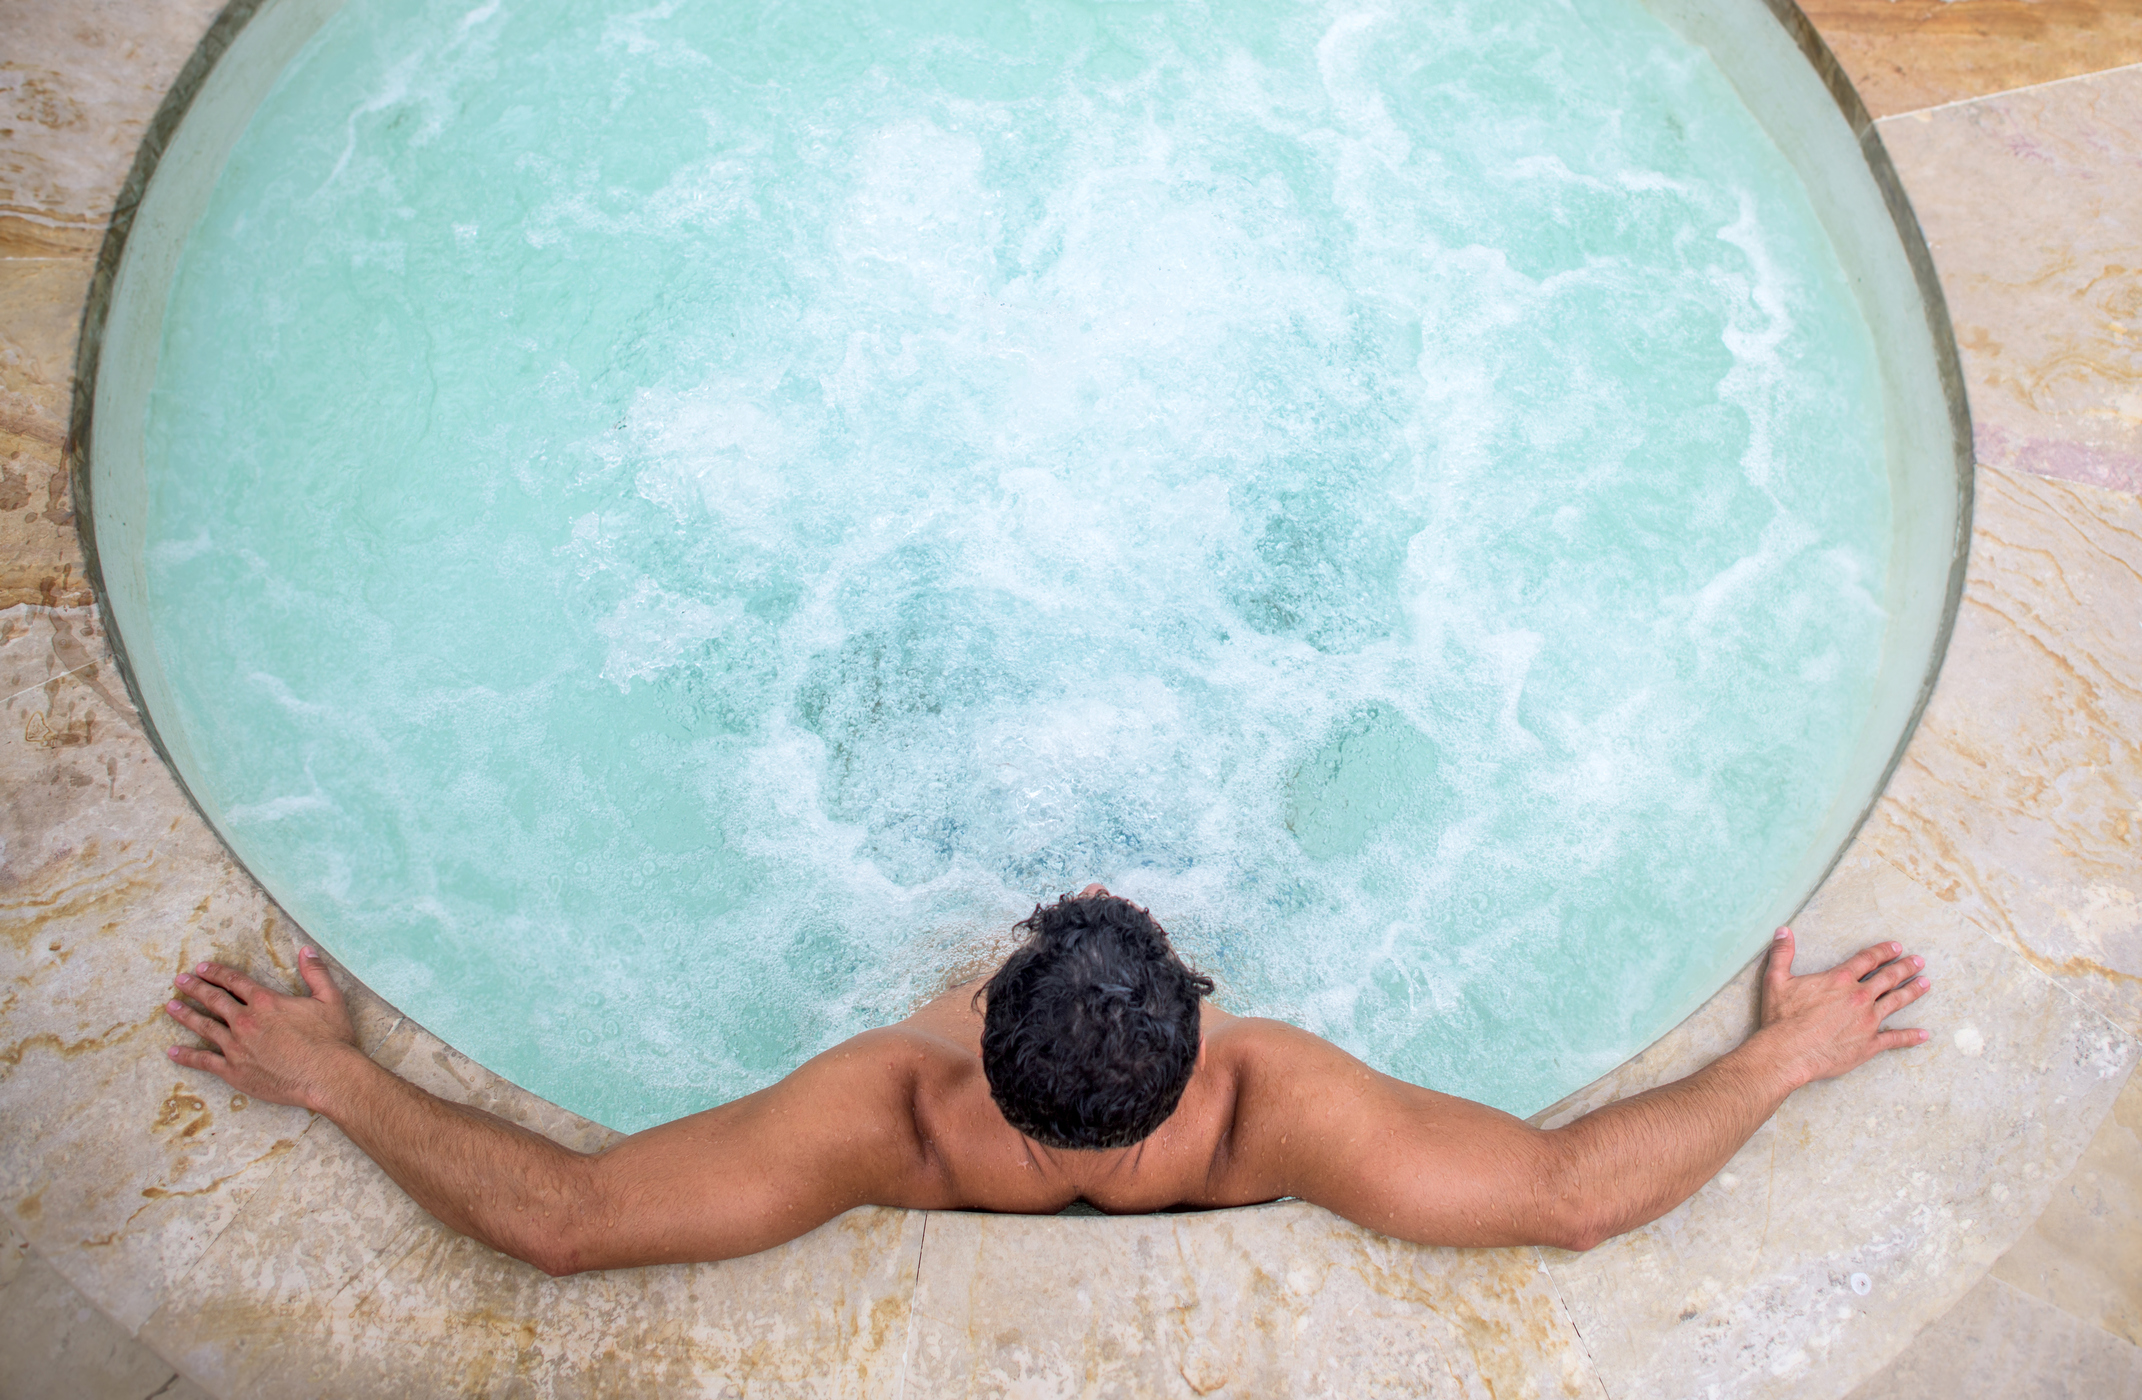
(1435, 1169)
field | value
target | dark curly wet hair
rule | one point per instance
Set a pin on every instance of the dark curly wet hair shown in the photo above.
(1091, 1029)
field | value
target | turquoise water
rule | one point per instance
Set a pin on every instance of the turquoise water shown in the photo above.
(669, 527)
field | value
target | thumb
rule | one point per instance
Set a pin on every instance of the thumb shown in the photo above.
(315, 974)
(1779, 969)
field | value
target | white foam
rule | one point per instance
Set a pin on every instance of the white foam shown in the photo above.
(655, 630)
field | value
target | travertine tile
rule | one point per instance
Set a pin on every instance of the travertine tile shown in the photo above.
(2000, 1344)
(334, 1282)
(40, 309)
(2020, 800)
(1912, 1173)
(1279, 1300)
(56, 1345)
(2084, 1255)
(1906, 54)
(118, 1166)
(78, 84)
(2032, 205)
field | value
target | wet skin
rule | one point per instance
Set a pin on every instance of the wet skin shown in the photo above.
(902, 1116)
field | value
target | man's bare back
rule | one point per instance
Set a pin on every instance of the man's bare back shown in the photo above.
(904, 1116)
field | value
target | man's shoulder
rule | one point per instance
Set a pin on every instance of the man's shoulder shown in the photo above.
(896, 1051)
(1254, 1042)
(898, 1067)
(1279, 1069)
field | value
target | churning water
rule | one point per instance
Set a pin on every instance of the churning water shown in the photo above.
(667, 526)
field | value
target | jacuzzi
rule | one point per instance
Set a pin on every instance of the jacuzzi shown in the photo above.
(1229, 493)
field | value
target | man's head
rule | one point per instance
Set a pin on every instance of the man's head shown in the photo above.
(1091, 1029)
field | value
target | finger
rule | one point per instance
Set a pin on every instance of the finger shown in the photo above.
(314, 972)
(206, 1027)
(1903, 996)
(1780, 965)
(1891, 974)
(233, 981)
(199, 1059)
(219, 1002)
(1867, 959)
(1902, 1039)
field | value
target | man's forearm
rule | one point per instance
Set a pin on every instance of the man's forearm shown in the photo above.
(1629, 1163)
(514, 1190)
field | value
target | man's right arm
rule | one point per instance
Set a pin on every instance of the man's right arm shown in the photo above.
(733, 1180)
(1441, 1170)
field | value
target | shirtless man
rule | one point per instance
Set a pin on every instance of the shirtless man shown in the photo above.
(1088, 1068)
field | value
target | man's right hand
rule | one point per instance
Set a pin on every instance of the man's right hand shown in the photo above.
(1828, 1023)
(268, 1044)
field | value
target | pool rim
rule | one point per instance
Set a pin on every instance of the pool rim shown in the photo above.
(232, 20)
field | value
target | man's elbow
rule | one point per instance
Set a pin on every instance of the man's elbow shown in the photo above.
(562, 1235)
(558, 1258)
(1571, 1212)
(1579, 1234)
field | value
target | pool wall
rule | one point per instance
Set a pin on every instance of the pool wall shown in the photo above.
(1789, 79)
(256, 1248)
(189, 140)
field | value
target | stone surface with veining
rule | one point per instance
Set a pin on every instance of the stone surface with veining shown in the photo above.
(2084, 1254)
(2002, 1344)
(78, 84)
(119, 1167)
(2020, 801)
(40, 554)
(57, 1345)
(382, 1299)
(1275, 1300)
(1915, 1171)
(2047, 310)
(1903, 55)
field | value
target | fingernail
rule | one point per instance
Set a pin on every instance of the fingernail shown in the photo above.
(174, 1005)
(170, 1052)
(182, 979)
(1926, 984)
(1782, 933)
(1918, 962)
(306, 953)
(200, 967)
(1925, 1036)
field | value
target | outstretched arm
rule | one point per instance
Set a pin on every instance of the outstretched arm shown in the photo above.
(1440, 1170)
(1630, 1162)
(734, 1180)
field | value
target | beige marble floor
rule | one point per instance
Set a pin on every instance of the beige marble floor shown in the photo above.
(1991, 1188)
(56, 1345)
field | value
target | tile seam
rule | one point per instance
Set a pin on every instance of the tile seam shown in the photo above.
(2118, 1341)
(1554, 1288)
(2062, 1309)
(914, 1304)
(49, 679)
(2005, 92)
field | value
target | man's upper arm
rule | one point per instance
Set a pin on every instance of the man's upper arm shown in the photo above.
(1398, 1158)
(837, 1133)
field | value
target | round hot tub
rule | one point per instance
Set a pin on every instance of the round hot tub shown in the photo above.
(657, 536)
